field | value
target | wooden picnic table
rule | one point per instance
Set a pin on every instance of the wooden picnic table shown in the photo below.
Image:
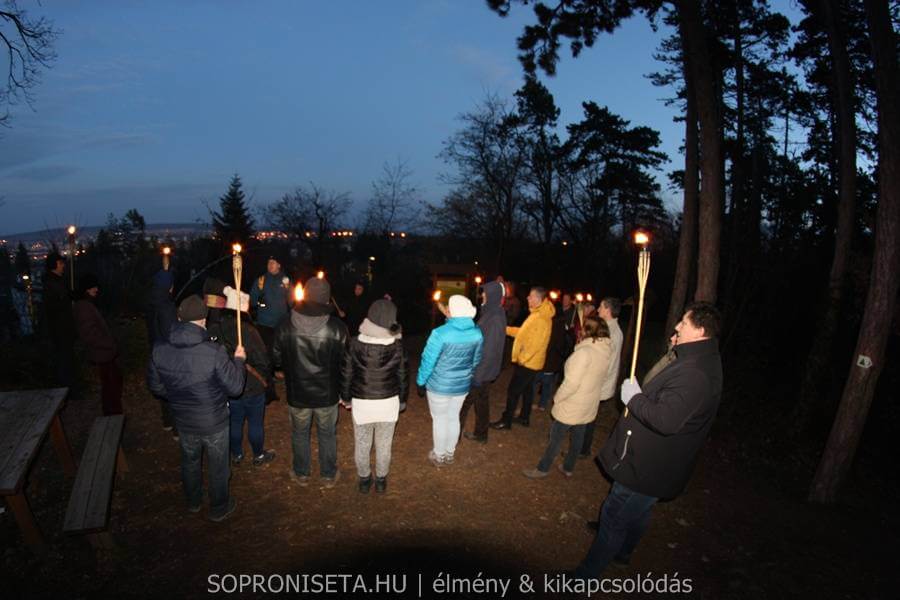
(25, 418)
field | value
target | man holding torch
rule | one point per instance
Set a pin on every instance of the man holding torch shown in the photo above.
(651, 452)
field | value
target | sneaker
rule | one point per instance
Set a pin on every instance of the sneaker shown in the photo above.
(447, 459)
(302, 480)
(562, 470)
(266, 457)
(232, 506)
(365, 484)
(534, 473)
(237, 460)
(435, 460)
(167, 428)
(380, 485)
(330, 482)
(195, 509)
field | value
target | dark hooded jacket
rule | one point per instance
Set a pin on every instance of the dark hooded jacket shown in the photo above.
(653, 449)
(224, 331)
(309, 346)
(492, 323)
(558, 348)
(376, 365)
(161, 312)
(196, 377)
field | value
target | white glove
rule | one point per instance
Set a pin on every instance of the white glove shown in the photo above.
(630, 388)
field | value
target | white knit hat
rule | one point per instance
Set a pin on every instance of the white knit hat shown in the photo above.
(231, 300)
(460, 306)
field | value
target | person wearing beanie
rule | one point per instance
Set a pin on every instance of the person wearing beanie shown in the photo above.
(529, 352)
(250, 406)
(99, 344)
(448, 363)
(60, 325)
(374, 386)
(310, 347)
(492, 323)
(197, 376)
(161, 315)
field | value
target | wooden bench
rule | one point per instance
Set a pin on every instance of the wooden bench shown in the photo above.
(88, 510)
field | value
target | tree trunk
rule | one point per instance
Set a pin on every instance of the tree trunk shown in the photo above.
(868, 360)
(687, 239)
(711, 165)
(845, 147)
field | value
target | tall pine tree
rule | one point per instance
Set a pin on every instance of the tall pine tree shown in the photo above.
(233, 222)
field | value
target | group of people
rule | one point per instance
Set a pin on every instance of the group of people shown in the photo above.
(211, 385)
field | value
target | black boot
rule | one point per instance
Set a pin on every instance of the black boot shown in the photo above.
(365, 483)
(380, 485)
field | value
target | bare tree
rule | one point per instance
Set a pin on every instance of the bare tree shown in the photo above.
(309, 213)
(392, 200)
(29, 48)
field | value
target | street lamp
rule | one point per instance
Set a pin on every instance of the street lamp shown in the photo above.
(71, 231)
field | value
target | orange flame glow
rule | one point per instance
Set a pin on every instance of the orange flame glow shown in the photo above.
(298, 292)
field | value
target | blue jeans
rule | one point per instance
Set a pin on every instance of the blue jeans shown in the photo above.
(216, 445)
(326, 430)
(444, 422)
(253, 409)
(557, 435)
(623, 520)
(547, 381)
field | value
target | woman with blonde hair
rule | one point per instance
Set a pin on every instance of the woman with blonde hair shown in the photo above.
(578, 398)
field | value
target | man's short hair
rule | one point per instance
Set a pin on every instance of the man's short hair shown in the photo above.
(705, 315)
(614, 305)
(540, 291)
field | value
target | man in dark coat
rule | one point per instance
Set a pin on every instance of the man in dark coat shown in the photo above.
(60, 325)
(653, 448)
(557, 352)
(309, 347)
(492, 322)
(197, 376)
(161, 316)
(356, 308)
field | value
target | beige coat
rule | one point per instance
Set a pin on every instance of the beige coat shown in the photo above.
(577, 399)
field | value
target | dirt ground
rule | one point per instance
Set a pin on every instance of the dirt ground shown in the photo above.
(734, 534)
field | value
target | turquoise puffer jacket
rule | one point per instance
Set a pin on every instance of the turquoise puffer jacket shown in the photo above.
(451, 354)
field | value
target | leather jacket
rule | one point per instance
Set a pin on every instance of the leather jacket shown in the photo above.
(310, 346)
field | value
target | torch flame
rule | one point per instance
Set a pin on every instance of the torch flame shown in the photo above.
(589, 298)
(236, 248)
(167, 251)
(298, 292)
(579, 297)
(320, 275)
(436, 296)
(641, 238)
(554, 295)
(478, 279)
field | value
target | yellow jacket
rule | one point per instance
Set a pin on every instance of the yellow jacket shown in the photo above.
(531, 339)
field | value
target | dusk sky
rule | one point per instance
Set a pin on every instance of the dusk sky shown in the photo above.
(154, 105)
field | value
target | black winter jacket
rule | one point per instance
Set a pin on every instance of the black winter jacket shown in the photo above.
(375, 371)
(311, 356)
(225, 332)
(653, 450)
(557, 348)
(196, 377)
(492, 323)
(161, 313)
